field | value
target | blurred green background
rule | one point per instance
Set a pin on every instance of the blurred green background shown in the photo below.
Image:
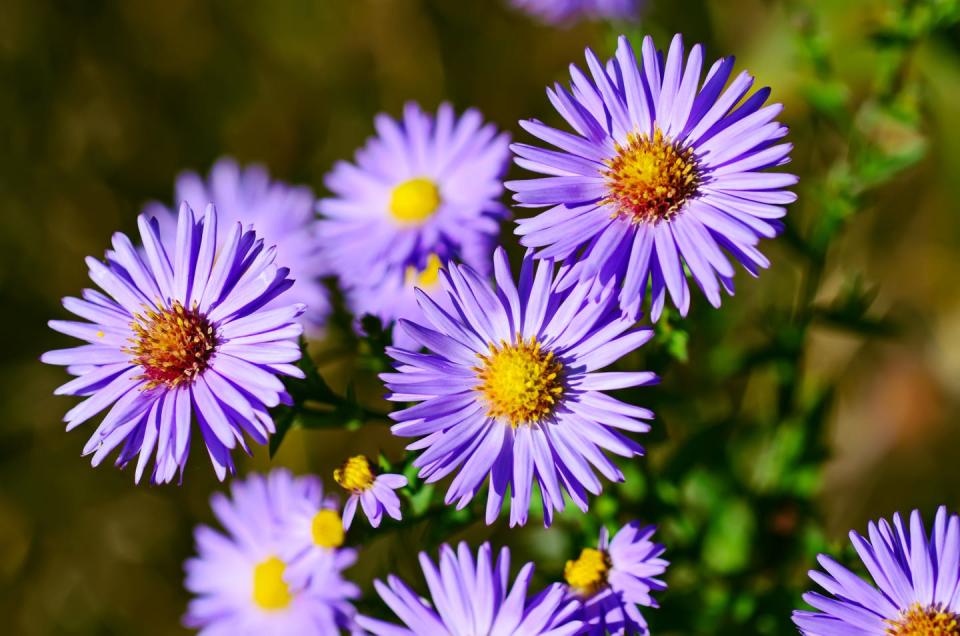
(822, 395)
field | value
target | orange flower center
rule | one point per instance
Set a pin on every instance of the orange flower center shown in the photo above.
(917, 620)
(172, 345)
(650, 179)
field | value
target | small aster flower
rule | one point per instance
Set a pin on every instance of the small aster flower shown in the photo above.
(424, 191)
(916, 583)
(616, 577)
(564, 11)
(662, 174)
(181, 334)
(240, 579)
(474, 597)
(374, 492)
(510, 389)
(312, 533)
(281, 215)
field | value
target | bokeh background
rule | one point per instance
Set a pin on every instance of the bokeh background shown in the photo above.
(822, 395)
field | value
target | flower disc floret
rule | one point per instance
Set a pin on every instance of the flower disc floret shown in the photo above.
(650, 179)
(520, 382)
(933, 620)
(172, 345)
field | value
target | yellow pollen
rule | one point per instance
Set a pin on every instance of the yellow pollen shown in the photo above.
(100, 334)
(426, 277)
(588, 574)
(933, 620)
(414, 201)
(355, 475)
(327, 529)
(172, 345)
(270, 591)
(520, 382)
(651, 178)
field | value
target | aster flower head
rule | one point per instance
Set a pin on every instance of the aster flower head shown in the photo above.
(915, 588)
(180, 333)
(240, 577)
(424, 190)
(510, 389)
(474, 596)
(663, 173)
(282, 215)
(614, 578)
(565, 11)
(373, 491)
(312, 533)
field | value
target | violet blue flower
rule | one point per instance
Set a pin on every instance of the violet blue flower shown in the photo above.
(374, 492)
(665, 172)
(425, 190)
(615, 578)
(181, 335)
(240, 579)
(915, 583)
(510, 388)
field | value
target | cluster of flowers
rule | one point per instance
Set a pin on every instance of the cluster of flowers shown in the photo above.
(278, 570)
(666, 177)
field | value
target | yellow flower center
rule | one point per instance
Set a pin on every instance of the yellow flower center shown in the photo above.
(327, 529)
(355, 475)
(171, 345)
(651, 178)
(934, 620)
(587, 574)
(414, 201)
(520, 382)
(270, 591)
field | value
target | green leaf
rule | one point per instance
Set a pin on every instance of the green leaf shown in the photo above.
(283, 423)
(729, 538)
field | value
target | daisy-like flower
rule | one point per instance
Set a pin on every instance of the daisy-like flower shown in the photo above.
(510, 388)
(281, 215)
(239, 576)
(474, 597)
(424, 191)
(312, 533)
(181, 333)
(565, 11)
(612, 579)
(373, 491)
(916, 583)
(663, 173)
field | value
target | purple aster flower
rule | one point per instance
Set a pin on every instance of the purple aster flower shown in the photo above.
(312, 532)
(424, 191)
(474, 597)
(510, 388)
(663, 174)
(616, 577)
(239, 577)
(916, 583)
(281, 215)
(564, 11)
(374, 492)
(181, 333)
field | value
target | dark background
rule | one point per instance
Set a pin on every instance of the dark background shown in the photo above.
(823, 395)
